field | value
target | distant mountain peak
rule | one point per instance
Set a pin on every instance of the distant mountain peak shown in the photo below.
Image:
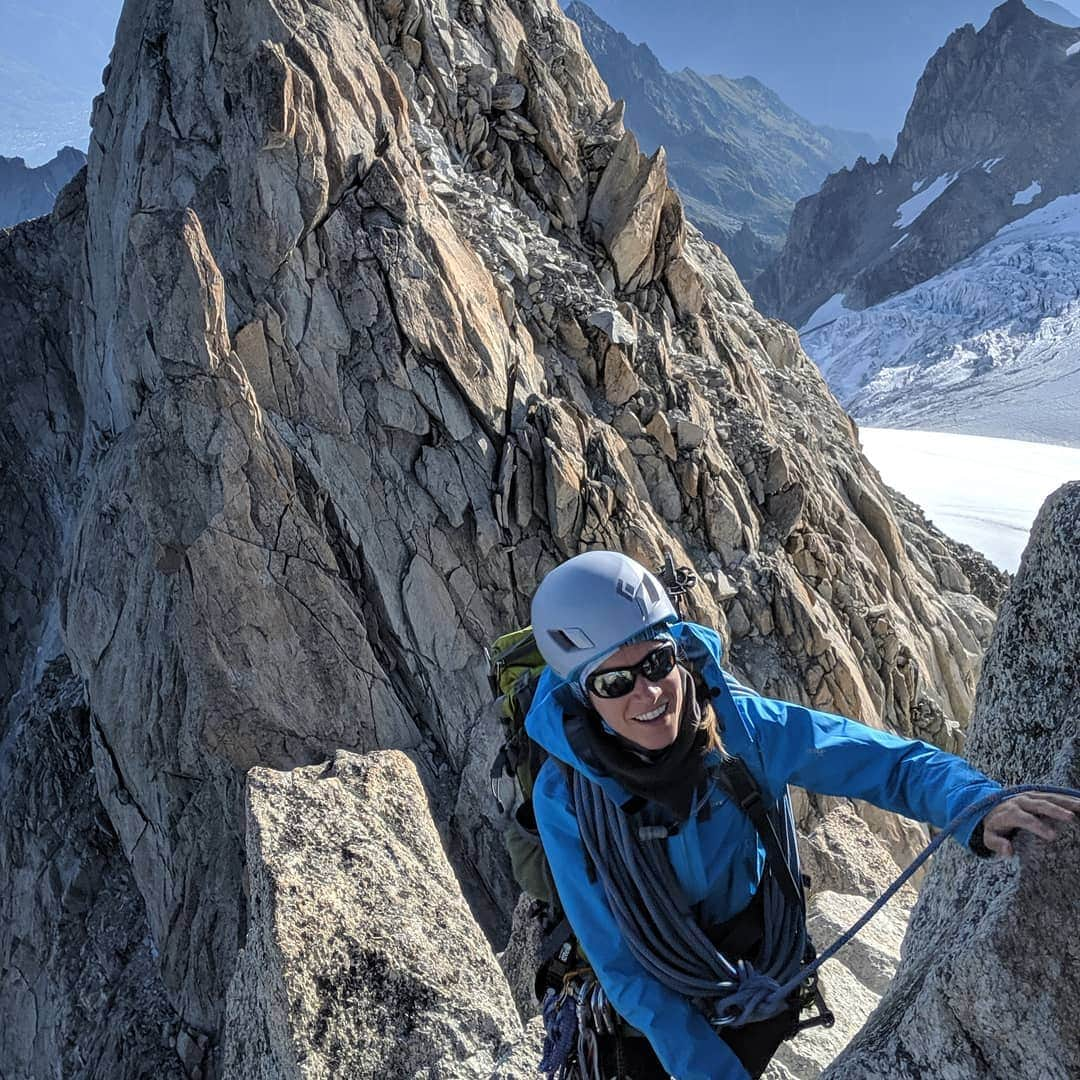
(30, 192)
(737, 152)
(601, 37)
(982, 89)
(1008, 13)
(920, 281)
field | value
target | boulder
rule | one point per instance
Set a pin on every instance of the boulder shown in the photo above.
(361, 957)
(987, 985)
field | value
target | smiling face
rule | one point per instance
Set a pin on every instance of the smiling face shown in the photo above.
(649, 714)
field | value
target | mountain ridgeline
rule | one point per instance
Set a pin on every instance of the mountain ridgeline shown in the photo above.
(28, 193)
(990, 136)
(737, 154)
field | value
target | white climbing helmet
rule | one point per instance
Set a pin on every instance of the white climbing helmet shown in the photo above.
(591, 604)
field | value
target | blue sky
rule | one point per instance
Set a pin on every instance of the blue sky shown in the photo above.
(849, 63)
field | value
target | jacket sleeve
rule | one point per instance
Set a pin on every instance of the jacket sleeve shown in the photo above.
(680, 1035)
(832, 755)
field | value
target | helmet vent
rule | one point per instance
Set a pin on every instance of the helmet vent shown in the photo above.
(572, 638)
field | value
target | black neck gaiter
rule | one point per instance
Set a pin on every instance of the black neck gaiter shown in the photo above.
(670, 776)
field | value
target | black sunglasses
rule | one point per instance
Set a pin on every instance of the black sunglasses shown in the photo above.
(618, 682)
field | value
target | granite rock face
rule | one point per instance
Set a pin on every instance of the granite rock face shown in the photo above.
(361, 958)
(362, 317)
(993, 117)
(80, 989)
(987, 985)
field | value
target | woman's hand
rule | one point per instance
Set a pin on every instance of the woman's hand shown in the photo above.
(1033, 813)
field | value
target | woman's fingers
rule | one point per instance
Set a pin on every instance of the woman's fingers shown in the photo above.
(1044, 805)
(996, 843)
(1031, 812)
(1032, 823)
(1066, 802)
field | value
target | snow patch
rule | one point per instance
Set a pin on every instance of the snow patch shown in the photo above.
(982, 491)
(1059, 217)
(988, 165)
(830, 311)
(908, 211)
(893, 247)
(1073, 49)
(1022, 198)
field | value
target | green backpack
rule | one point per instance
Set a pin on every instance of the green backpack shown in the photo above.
(515, 668)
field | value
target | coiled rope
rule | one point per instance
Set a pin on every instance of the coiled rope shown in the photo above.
(655, 919)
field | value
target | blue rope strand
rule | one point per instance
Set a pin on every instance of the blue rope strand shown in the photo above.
(560, 1039)
(976, 810)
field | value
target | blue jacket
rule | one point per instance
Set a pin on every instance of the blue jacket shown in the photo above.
(719, 861)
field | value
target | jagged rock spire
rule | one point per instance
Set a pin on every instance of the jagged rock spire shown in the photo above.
(987, 985)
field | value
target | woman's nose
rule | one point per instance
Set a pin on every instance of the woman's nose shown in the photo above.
(643, 688)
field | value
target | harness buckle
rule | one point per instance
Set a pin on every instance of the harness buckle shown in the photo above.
(749, 801)
(656, 832)
(811, 995)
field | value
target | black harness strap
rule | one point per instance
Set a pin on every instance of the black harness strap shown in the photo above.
(739, 784)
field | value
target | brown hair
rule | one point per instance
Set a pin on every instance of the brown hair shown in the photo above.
(711, 726)
(709, 721)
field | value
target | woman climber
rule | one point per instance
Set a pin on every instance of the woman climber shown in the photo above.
(671, 885)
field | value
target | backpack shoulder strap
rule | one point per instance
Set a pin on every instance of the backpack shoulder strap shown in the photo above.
(741, 786)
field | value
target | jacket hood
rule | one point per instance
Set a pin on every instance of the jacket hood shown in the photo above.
(554, 699)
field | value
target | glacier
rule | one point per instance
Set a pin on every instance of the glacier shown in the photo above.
(984, 492)
(989, 347)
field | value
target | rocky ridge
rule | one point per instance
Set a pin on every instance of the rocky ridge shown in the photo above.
(989, 138)
(360, 319)
(28, 193)
(985, 987)
(738, 155)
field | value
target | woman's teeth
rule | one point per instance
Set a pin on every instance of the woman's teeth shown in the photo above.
(659, 711)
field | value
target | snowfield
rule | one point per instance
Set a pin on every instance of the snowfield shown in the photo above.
(988, 347)
(1028, 195)
(832, 309)
(923, 197)
(984, 492)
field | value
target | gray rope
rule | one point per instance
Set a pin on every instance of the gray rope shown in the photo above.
(659, 927)
(638, 878)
